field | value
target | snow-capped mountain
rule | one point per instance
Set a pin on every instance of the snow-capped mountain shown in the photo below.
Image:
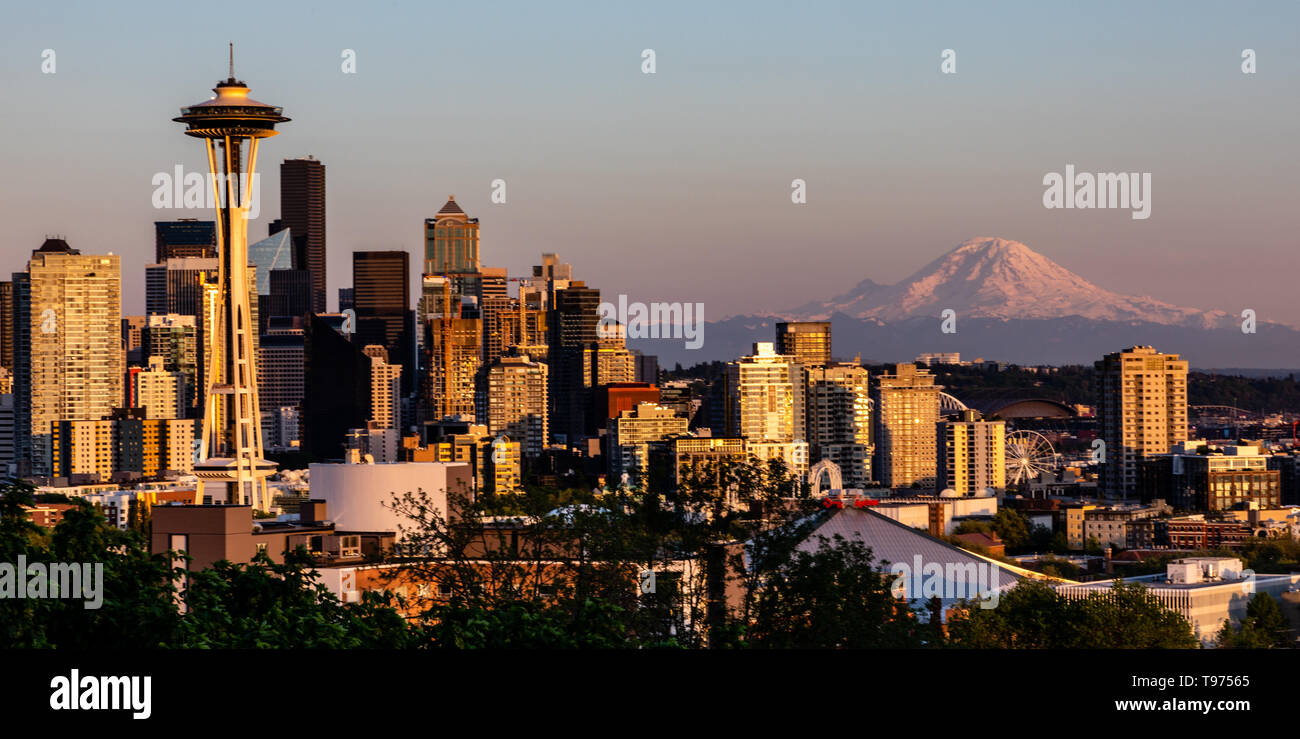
(1012, 304)
(989, 277)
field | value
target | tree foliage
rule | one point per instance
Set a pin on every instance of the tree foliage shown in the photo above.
(1264, 626)
(833, 597)
(1034, 616)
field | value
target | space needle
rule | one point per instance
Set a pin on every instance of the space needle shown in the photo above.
(230, 462)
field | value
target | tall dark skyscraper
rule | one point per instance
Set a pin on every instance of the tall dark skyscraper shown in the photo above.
(336, 389)
(381, 297)
(302, 211)
(573, 326)
(184, 238)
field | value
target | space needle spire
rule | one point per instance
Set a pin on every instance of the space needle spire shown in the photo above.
(230, 453)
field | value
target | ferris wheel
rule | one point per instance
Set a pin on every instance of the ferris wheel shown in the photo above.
(1029, 454)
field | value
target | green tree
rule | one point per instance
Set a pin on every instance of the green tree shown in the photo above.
(1012, 527)
(1263, 627)
(1034, 616)
(1027, 616)
(263, 605)
(834, 597)
(135, 595)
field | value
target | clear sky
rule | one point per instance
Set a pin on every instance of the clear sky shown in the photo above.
(676, 185)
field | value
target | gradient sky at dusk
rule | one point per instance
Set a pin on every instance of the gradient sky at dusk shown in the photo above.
(676, 186)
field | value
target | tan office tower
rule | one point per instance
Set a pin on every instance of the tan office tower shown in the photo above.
(809, 342)
(1142, 411)
(516, 402)
(972, 454)
(68, 345)
(452, 358)
(450, 241)
(907, 409)
(838, 399)
(761, 396)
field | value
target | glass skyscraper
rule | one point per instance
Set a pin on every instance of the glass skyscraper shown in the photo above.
(273, 252)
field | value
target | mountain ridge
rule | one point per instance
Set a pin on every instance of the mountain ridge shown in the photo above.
(991, 277)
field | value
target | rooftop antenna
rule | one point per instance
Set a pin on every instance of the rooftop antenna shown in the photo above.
(232, 60)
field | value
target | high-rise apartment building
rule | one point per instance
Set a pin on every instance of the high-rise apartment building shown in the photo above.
(385, 389)
(838, 419)
(211, 344)
(126, 445)
(302, 211)
(7, 325)
(159, 391)
(516, 402)
(630, 435)
(971, 454)
(1142, 411)
(608, 361)
(174, 339)
(762, 401)
(906, 411)
(67, 345)
(83, 448)
(809, 342)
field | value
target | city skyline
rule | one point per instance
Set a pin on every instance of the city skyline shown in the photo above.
(931, 329)
(900, 160)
